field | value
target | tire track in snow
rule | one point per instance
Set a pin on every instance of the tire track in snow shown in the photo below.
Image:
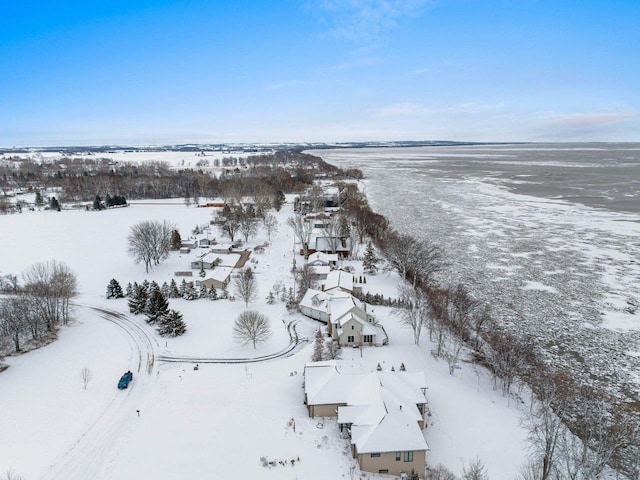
(89, 455)
(294, 345)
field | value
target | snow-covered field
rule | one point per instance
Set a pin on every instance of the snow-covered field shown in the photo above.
(175, 159)
(218, 421)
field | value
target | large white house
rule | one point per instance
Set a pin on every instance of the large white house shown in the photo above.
(381, 412)
(349, 321)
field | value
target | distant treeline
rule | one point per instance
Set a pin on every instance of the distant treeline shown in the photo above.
(81, 179)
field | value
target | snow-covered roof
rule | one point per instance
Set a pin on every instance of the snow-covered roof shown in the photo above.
(381, 407)
(322, 257)
(339, 279)
(320, 269)
(227, 259)
(219, 273)
(324, 243)
(395, 432)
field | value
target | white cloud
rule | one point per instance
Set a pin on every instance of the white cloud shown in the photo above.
(579, 121)
(362, 21)
(404, 109)
(400, 110)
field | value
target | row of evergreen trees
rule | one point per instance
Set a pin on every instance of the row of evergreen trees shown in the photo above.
(109, 201)
(186, 290)
(148, 299)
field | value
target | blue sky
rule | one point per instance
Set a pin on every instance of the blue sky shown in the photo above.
(161, 72)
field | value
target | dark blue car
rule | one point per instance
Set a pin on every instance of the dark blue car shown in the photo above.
(124, 380)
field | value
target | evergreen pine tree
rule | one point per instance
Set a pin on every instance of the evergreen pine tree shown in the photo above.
(114, 290)
(190, 292)
(318, 347)
(145, 285)
(176, 240)
(213, 293)
(369, 261)
(183, 288)
(166, 291)
(157, 306)
(97, 203)
(129, 290)
(173, 289)
(171, 324)
(138, 300)
(271, 299)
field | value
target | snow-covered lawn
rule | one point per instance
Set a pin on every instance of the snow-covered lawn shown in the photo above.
(217, 421)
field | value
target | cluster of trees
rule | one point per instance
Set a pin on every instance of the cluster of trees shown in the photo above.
(150, 242)
(239, 218)
(35, 308)
(245, 219)
(109, 202)
(601, 432)
(147, 299)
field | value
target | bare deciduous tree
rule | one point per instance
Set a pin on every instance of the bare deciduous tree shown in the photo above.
(150, 242)
(248, 225)
(475, 470)
(450, 351)
(414, 310)
(12, 319)
(270, 224)
(417, 260)
(86, 375)
(545, 428)
(305, 279)
(246, 286)
(11, 475)
(332, 350)
(251, 327)
(302, 231)
(440, 472)
(50, 287)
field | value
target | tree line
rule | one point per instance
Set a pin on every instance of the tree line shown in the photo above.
(81, 179)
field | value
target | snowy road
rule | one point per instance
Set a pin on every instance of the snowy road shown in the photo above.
(96, 449)
(91, 455)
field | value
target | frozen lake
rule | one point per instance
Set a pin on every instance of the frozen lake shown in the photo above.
(547, 235)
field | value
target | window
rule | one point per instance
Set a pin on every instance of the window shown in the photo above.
(408, 456)
(368, 338)
(350, 339)
(352, 327)
(383, 470)
(375, 454)
(397, 456)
